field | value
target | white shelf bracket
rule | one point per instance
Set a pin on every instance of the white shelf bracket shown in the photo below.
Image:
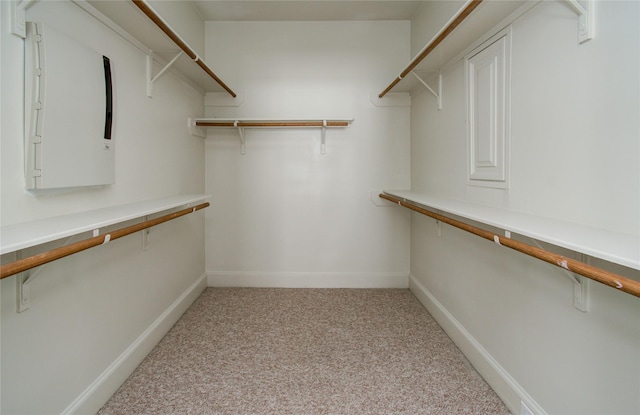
(23, 282)
(150, 78)
(323, 138)
(586, 20)
(581, 289)
(145, 235)
(580, 283)
(438, 94)
(194, 130)
(23, 301)
(243, 143)
(24, 279)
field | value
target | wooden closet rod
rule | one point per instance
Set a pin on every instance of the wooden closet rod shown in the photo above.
(608, 278)
(25, 264)
(431, 46)
(272, 124)
(157, 19)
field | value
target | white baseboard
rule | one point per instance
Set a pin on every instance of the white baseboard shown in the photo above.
(493, 373)
(101, 389)
(307, 279)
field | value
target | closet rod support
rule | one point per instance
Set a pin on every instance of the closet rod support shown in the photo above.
(577, 7)
(586, 20)
(323, 137)
(243, 142)
(573, 277)
(22, 288)
(25, 278)
(194, 130)
(580, 283)
(152, 79)
(438, 94)
(23, 299)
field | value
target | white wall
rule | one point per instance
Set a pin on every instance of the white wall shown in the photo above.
(575, 156)
(87, 310)
(284, 214)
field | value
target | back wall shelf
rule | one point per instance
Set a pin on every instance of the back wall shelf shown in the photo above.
(197, 126)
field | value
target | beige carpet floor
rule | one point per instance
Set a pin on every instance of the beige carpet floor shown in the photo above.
(305, 351)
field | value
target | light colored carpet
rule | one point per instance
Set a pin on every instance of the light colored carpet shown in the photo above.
(305, 351)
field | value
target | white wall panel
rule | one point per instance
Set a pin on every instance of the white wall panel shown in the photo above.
(283, 206)
(488, 116)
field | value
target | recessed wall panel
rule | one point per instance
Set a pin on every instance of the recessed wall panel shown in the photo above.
(68, 112)
(488, 113)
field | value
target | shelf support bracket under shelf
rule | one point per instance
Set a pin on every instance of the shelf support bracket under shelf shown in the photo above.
(194, 130)
(323, 138)
(438, 94)
(243, 143)
(580, 283)
(23, 299)
(22, 287)
(25, 278)
(581, 288)
(150, 78)
(586, 20)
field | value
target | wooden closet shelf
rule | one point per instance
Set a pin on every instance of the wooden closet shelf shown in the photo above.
(272, 123)
(197, 126)
(615, 247)
(21, 265)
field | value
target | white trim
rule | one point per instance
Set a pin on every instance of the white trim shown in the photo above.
(308, 279)
(506, 387)
(101, 389)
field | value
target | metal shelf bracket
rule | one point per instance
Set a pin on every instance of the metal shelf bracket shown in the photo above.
(150, 78)
(586, 21)
(243, 143)
(25, 278)
(438, 94)
(580, 283)
(323, 138)
(194, 130)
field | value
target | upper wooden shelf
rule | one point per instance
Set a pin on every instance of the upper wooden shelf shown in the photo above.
(137, 22)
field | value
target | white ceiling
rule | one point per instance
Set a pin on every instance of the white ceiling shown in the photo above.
(301, 10)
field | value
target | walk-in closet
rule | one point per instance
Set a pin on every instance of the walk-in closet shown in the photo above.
(320, 207)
